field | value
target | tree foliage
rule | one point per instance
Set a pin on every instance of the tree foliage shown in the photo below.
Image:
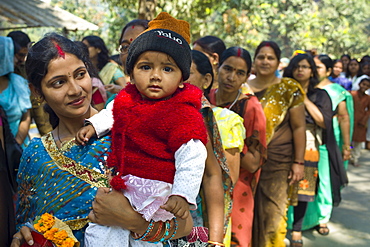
(330, 26)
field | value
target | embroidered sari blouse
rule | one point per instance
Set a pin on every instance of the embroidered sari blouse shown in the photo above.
(62, 182)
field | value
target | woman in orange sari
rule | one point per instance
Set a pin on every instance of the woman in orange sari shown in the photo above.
(235, 67)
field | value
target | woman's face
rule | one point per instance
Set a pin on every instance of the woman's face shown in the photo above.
(67, 87)
(128, 36)
(93, 51)
(266, 62)
(303, 72)
(232, 74)
(366, 69)
(196, 78)
(353, 67)
(321, 69)
(337, 69)
(345, 61)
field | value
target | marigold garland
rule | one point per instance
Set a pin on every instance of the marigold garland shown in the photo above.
(45, 225)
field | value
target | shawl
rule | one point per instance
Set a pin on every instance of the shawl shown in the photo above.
(218, 150)
(334, 143)
(62, 182)
(6, 56)
(107, 72)
(149, 132)
(276, 100)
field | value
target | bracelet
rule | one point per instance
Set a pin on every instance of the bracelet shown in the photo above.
(166, 231)
(176, 227)
(299, 163)
(347, 147)
(216, 243)
(157, 233)
(148, 231)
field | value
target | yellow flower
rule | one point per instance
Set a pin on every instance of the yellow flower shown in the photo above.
(61, 235)
(47, 220)
(68, 243)
(50, 235)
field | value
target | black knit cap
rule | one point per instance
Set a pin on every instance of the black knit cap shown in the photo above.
(163, 40)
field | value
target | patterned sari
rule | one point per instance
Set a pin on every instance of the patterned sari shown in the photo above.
(255, 126)
(62, 182)
(271, 200)
(199, 235)
(332, 174)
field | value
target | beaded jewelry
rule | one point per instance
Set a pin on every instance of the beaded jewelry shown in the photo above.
(148, 231)
(167, 231)
(176, 227)
(157, 233)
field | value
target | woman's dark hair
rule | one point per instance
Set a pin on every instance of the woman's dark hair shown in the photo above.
(39, 56)
(362, 65)
(359, 72)
(237, 52)
(97, 42)
(326, 60)
(20, 40)
(293, 65)
(345, 55)
(271, 44)
(135, 22)
(365, 59)
(85, 50)
(211, 44)
(334, 63)
(204, 67)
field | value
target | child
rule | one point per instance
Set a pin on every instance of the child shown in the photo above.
(362, 110)
(158, 135)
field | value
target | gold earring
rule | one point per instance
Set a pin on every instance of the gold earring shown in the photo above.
(181, 86)
(215, 63)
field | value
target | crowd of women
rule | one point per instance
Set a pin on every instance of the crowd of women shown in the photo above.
(277, 147)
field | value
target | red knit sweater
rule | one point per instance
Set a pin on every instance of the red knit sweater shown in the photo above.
(147, 133)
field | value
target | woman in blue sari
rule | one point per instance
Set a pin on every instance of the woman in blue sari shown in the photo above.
(56, 175)
(14, 94)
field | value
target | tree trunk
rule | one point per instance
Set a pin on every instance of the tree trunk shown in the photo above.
(147, 9)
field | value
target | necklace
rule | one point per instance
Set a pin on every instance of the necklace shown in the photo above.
(236, 99)
(60, 141)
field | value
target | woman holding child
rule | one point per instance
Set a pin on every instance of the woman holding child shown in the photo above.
(56, 175)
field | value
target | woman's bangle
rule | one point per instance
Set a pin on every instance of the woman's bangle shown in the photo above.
(157, 233)
(214, 243)
(299, 163)
(175, 230)
(166, 231)
(347, 147)
(148, 231)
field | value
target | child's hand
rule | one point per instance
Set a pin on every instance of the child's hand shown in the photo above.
(178, 206)
(84, 134)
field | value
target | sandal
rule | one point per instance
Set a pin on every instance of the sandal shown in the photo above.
(296, 243)
(322, 230)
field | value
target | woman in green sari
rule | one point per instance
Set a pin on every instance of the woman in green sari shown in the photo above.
(333, 161)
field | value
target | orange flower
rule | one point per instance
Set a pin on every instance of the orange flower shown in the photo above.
(304, 184)
(61, 235)
(49, 235)
(48, 220)
(68, 243)
(40, 227)
(44, 224)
